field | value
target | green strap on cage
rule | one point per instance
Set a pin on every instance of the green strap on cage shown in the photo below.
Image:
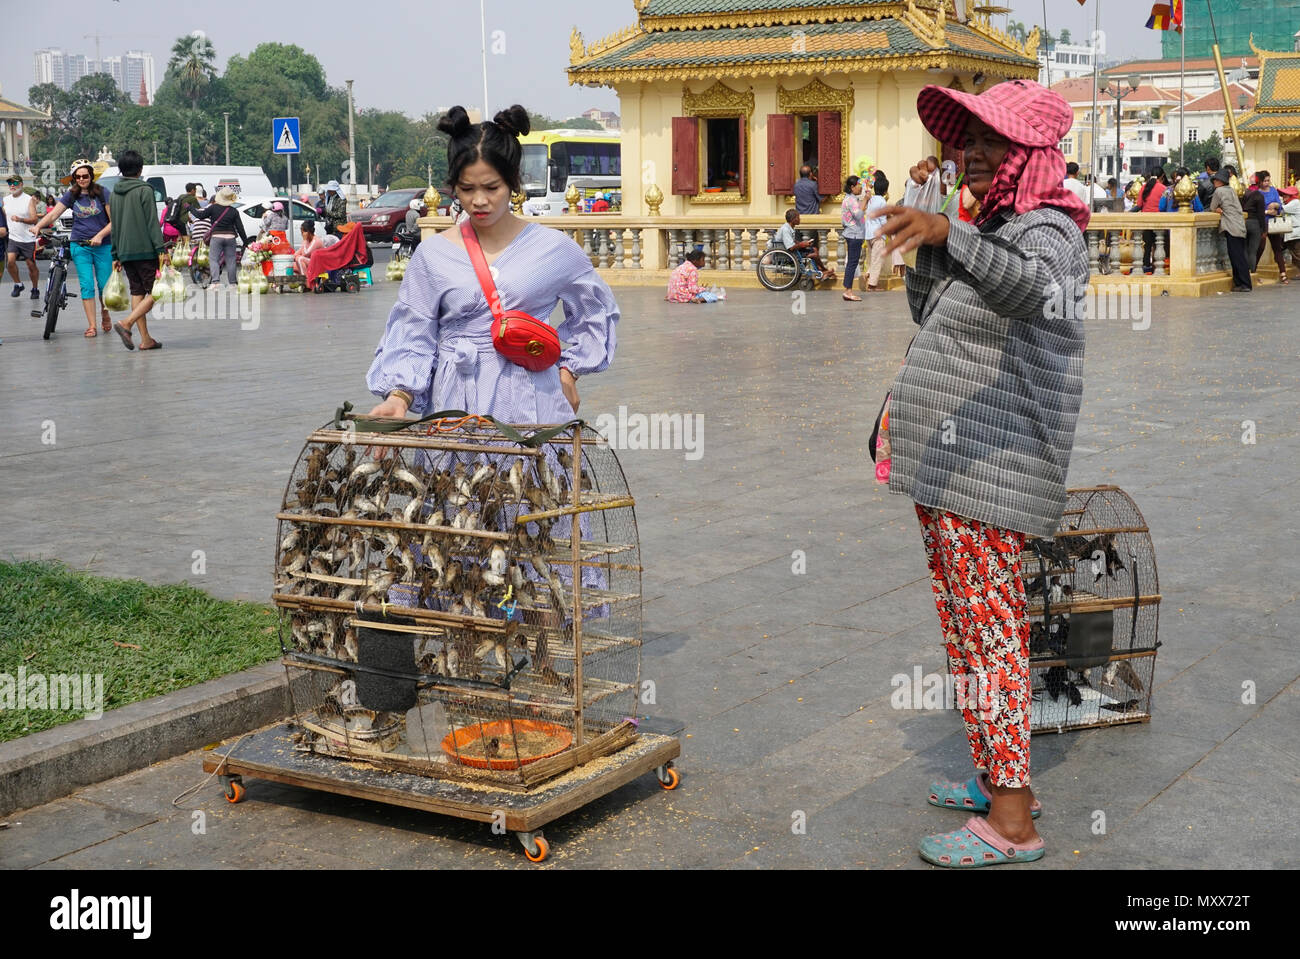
(367, 425)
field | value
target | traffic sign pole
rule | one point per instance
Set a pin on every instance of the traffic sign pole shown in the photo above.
(287, 139)
(288, 164)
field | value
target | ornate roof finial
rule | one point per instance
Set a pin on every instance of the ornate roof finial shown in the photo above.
(576, 48)
(1031, 43)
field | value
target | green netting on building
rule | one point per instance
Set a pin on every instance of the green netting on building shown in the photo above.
(1273, 22)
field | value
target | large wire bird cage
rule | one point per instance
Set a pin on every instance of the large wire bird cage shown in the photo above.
(460, 602)
(1094, 608)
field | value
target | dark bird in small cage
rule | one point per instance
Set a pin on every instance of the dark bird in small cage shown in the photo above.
(1059, 683)
(1122, 707)
(1109, 561)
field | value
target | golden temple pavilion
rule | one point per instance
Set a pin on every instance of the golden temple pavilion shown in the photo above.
(1271, 131)
(723, 100)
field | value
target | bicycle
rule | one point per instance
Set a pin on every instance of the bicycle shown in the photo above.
(56, 287)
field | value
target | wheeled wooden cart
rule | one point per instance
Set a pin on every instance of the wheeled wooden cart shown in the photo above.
(272, 754)
(460, 621)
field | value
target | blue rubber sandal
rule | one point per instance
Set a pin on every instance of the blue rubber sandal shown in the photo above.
(972, 796)
(977, 845)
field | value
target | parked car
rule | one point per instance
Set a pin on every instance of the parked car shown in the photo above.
(385, 214)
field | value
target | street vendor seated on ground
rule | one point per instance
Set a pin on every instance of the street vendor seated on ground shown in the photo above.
(310, 244)
(785, 239)
(684, 283)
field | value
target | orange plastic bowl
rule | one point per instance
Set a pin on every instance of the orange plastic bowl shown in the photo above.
(502, 729)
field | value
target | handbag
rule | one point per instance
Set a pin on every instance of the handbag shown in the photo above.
(1280, 224)
(519, 337)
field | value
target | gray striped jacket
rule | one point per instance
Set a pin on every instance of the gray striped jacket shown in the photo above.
(983, 412)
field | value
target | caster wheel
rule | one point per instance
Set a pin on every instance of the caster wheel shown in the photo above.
(668, 777)
(234, 792)
(539, 851)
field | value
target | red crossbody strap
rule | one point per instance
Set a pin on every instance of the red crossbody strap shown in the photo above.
(481, 269)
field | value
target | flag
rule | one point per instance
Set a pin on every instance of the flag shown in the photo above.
(1166, 16)
(1163, 17)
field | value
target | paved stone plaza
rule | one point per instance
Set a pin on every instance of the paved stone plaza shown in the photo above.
(782, 680)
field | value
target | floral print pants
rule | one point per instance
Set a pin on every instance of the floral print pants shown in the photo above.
(975, 575)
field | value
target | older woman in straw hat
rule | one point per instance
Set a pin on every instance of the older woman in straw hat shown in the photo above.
(227, 228)
(981, 424)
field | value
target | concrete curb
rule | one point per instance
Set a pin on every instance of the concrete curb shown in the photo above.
(47, 765)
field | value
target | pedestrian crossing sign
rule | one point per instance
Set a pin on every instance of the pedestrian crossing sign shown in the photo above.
(284, 135)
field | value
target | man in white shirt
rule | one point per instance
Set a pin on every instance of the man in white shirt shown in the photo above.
(21, 213)
(1074, 186)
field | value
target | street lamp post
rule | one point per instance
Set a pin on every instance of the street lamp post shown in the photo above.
(189, 146)
(155, 152)
(1119, 93)
(226, 117)
(352, 155)
(370, 170)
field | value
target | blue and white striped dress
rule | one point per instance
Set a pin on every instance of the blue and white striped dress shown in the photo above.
(438, 344)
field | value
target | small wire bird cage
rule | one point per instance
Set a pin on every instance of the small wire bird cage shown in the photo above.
(459, 601)
(1094, 607)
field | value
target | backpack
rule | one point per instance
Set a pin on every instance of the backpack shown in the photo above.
(176, 214)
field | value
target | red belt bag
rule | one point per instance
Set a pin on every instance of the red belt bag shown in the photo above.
(520, 338)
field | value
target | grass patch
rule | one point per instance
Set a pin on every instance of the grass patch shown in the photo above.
(54, 620)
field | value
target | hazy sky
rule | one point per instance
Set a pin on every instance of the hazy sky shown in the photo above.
(419, 56)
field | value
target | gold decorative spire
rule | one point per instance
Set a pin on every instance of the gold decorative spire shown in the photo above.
(576, 49)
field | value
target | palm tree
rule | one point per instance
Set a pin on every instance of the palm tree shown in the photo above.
(1017, 29)
(194, 62)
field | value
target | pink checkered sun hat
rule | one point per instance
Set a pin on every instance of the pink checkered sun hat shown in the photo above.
(1022, 111)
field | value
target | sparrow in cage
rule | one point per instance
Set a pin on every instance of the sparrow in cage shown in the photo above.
(1123, 670)
(495, 574)
(515, 479)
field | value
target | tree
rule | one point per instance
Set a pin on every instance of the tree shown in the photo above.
(83, 117)
(1198, 151)
(193, 63)
(1018, 30)
(1065, 35)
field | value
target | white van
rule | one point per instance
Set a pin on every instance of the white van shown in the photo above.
(170, 180)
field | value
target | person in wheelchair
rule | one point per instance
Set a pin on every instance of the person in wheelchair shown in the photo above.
(803, 249)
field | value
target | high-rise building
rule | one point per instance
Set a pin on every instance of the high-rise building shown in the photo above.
(1273, 22)
(62, 69)
(136, 65)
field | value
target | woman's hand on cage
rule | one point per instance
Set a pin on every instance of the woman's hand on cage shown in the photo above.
(569, 384)
(394, 407)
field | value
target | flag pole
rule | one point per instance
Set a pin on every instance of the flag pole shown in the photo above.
(1182, 93)
(1237, 145)
(1096, 77)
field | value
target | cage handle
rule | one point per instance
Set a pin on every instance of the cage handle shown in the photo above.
(392, 425)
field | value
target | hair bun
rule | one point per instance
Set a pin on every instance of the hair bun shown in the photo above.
(455, 122)
(514, 120)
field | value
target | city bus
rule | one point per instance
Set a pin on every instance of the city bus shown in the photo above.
(553, 160)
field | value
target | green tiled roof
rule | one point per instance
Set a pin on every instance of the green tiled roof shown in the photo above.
(684, 8)
(1279, 81)
(816, 42)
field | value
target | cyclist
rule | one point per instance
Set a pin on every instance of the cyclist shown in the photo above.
(91, 253)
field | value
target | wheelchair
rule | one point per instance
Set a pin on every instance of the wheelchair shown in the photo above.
(781, 269)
